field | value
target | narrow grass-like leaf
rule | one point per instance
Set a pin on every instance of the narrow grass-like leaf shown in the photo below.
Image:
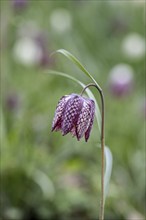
(108, 170)
(72, 58)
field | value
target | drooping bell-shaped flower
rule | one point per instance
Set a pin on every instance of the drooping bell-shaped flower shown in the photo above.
(74, 114)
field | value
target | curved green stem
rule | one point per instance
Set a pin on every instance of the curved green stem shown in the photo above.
(101, 217)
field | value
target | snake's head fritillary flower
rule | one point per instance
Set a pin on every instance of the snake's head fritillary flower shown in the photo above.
(74, 114)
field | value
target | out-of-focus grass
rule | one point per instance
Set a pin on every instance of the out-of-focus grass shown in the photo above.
(48, 176)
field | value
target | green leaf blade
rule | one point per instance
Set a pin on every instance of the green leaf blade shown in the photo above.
(108, 170)
(73, 59)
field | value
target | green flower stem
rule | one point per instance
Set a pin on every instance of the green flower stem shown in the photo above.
(101, 217)
(100, 120)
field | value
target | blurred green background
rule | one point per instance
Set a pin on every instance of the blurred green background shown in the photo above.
(49, 177)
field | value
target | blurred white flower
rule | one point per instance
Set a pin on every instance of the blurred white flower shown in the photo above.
(29, 33)
(60, 20)
(121, 79)
(13, 213)
(134, 46)
(26, 51)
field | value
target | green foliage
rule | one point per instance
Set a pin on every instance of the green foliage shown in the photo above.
(46, 176)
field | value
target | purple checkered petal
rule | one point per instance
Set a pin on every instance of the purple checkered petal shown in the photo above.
(92, 113)
(83, 120)
(56, 125)
(71, 113)
(74, 114)
(73, 131)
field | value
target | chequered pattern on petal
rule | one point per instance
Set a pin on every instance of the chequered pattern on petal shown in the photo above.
(83, 120)
(74, 114)
(73, 131)
(92, 113)
(71, 113)
(56, 125)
